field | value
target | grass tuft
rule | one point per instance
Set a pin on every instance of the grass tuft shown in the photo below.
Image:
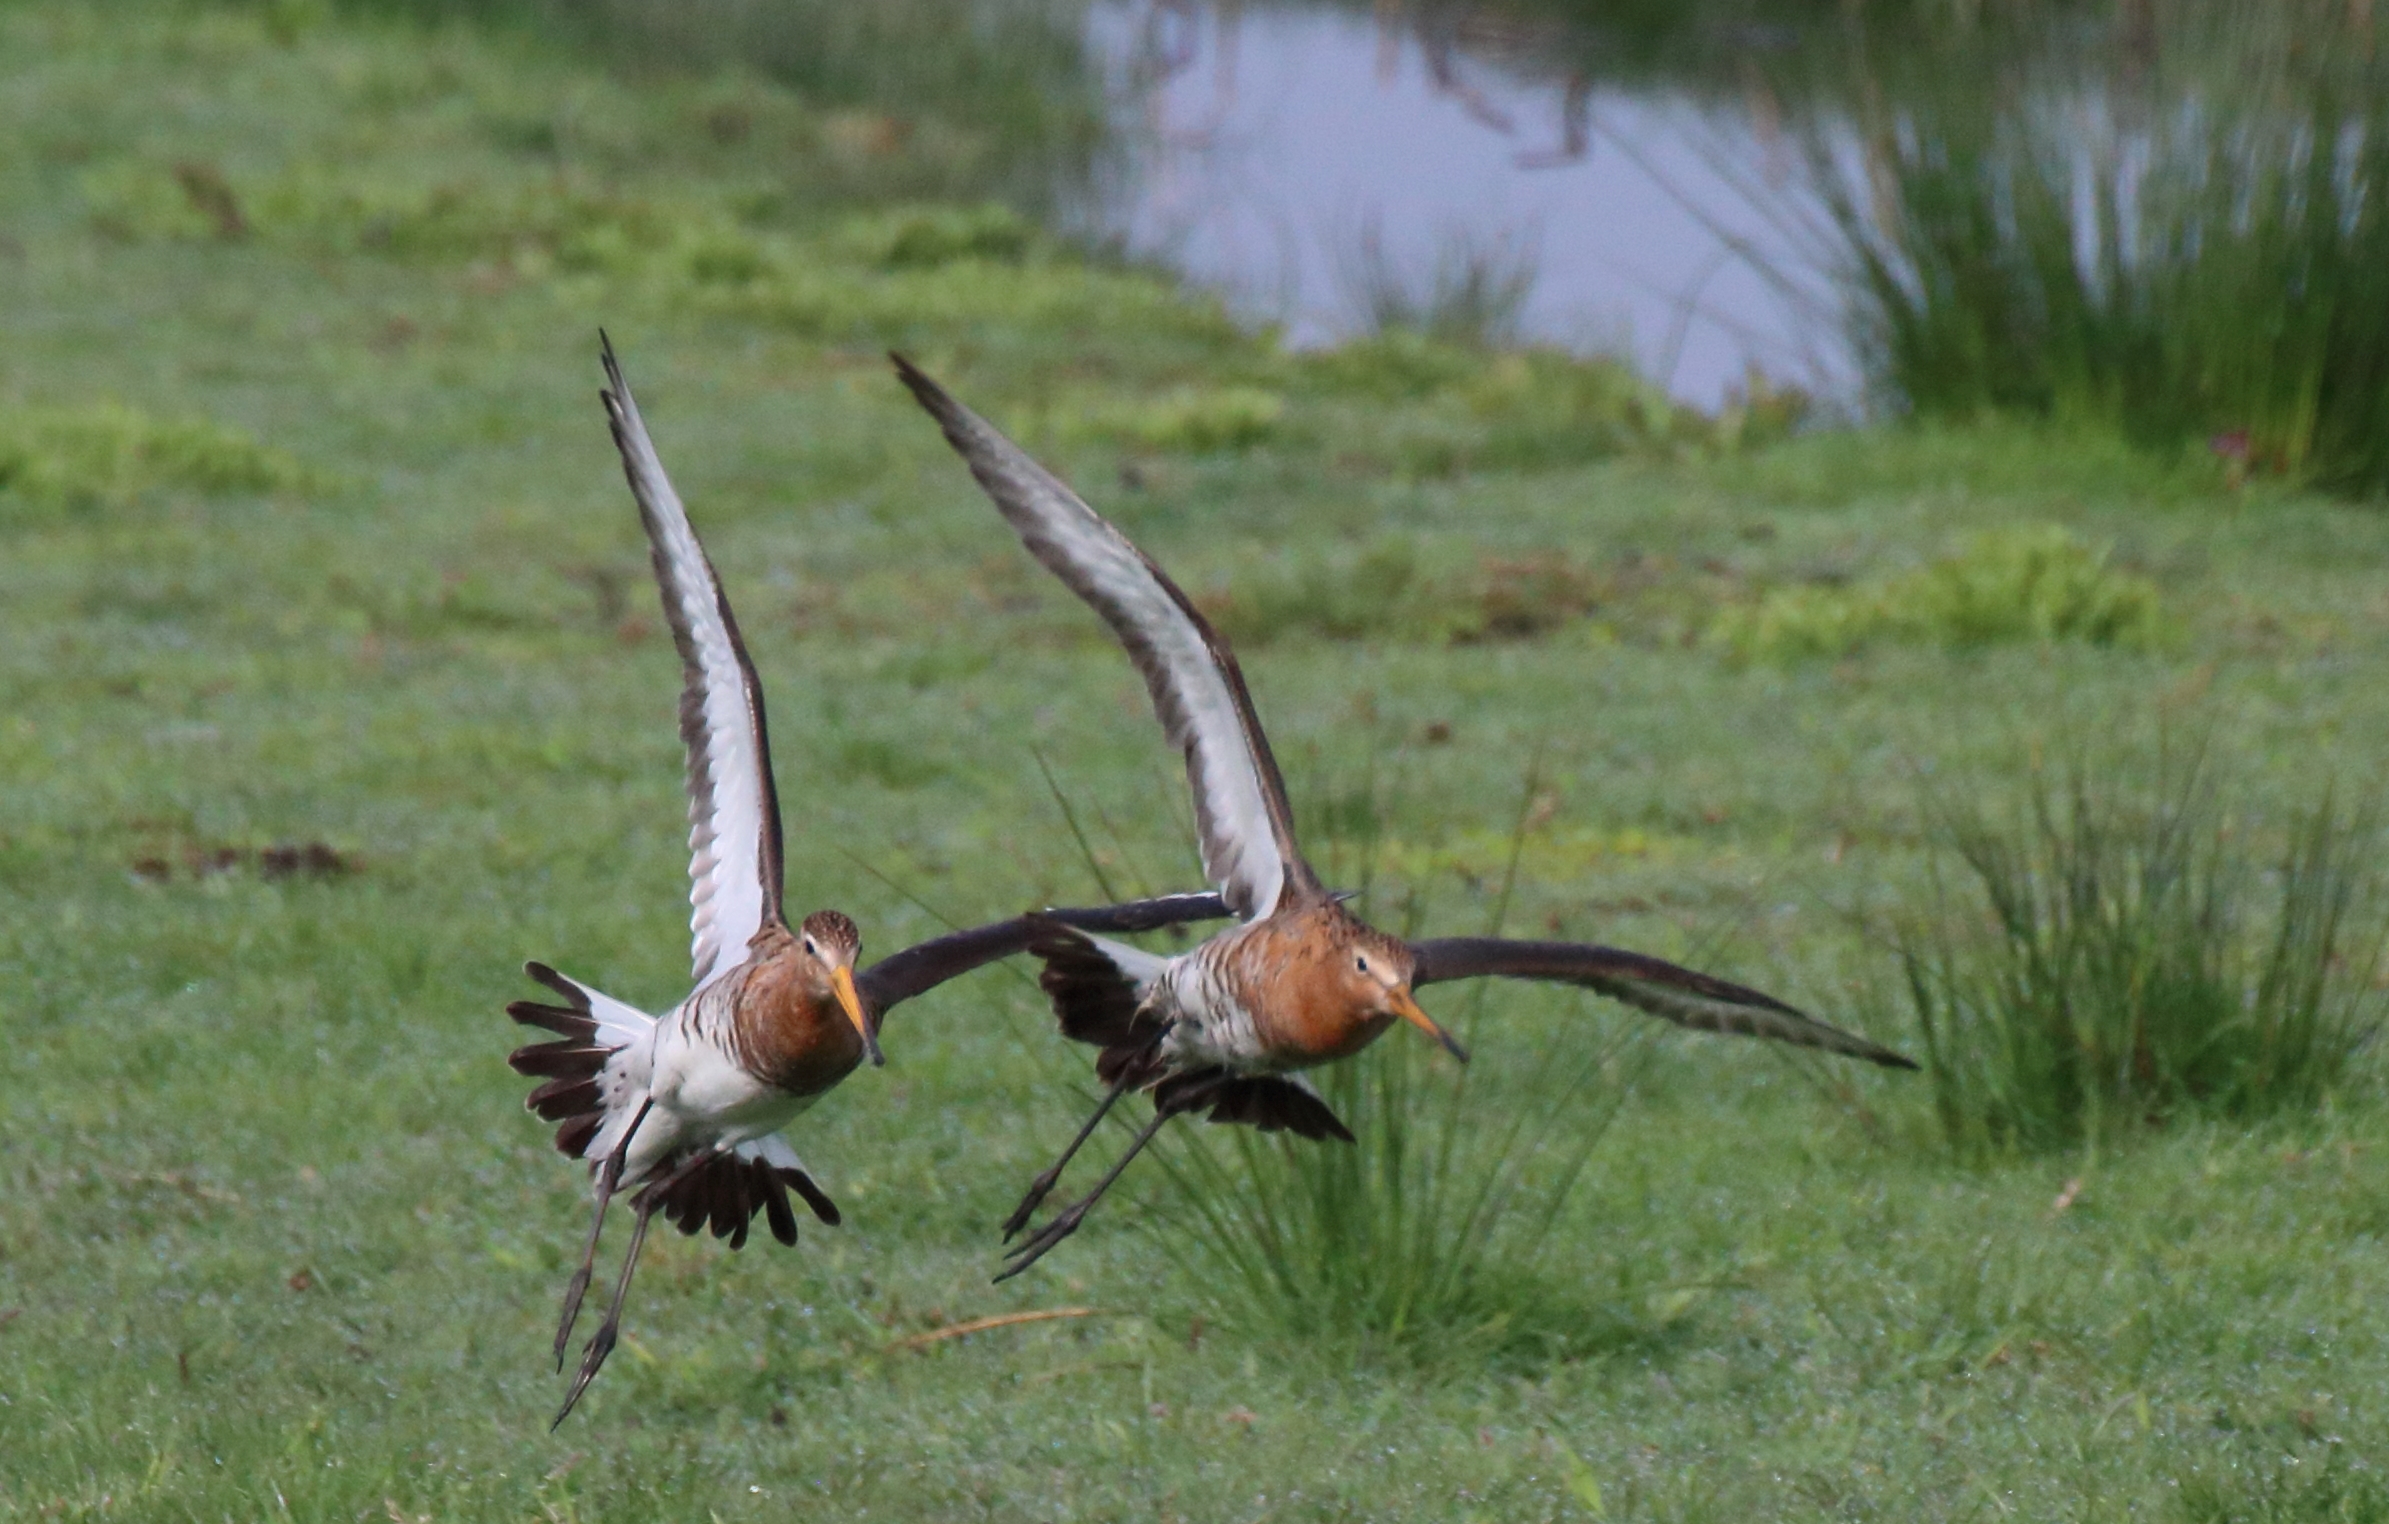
(1186, 420)
(2190, 250)
(2036, 583)
(1431, 1238)
(1473, 294)
(1428, 1238)
(918, 237)
(2108, 957)
(1382, 591)
(107, 455)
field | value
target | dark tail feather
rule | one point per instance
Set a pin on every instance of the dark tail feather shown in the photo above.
(573, 1138)
(569, 1067)
(775, 1204)
(815, 1197)
(728, 1193)
(559, 1060)
(1275, 1105)
(1096, 1002)
(731, 1209)
(564, 1100)
(561, 1020)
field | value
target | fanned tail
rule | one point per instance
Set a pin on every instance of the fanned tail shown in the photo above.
(729, 1192)
(587, 1086)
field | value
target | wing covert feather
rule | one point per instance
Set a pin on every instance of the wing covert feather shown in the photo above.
(926, 965)
(734, 807)
(1651, 985)
(1197, 688)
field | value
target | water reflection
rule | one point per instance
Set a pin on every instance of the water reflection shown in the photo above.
(2169, 217)
(1306, 159)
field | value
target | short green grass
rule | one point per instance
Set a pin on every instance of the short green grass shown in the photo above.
(276, 1239)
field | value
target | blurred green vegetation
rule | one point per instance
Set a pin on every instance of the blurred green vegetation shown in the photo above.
(275, 1237)
(2172, 227)
(105, 455)
(950, 98)
(2033, 583)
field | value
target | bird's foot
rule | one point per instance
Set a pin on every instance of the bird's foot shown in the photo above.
(1038, 1190)
(1046, 1237)
(601, 1344)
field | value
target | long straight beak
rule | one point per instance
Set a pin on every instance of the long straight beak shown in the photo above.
(1408, 1010)
(851, 1002)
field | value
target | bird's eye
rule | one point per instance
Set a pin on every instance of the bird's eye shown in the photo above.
(1361, 963)
(812, 947)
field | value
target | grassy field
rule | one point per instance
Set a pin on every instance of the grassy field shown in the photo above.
(310, 534)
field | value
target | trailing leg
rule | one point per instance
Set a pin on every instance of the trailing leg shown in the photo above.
(1066, 1223)
(1044, 1184)
(609, 1175)
(601, 1343)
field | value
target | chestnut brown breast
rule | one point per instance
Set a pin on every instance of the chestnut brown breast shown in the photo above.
(1290, 975)
(786, 1027)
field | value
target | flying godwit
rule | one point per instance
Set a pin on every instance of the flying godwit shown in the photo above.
(1229, 1025)
(686, 1108)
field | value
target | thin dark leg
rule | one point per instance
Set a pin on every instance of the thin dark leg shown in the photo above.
(609, 1175)
(1044, 1183)
(1066, 1223)
(601, 1343)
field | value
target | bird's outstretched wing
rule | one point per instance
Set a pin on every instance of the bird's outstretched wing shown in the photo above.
(734, 809)
(926, 965)
(1198, 691)
(1648, 984)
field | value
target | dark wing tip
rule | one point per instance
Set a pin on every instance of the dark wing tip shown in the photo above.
(1649, 984)
(616, 386)
(950, 414)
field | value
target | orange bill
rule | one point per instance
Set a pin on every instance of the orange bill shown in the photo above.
(850, 1001)
(1408, 1010)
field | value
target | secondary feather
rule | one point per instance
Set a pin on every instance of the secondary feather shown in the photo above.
(734, 807)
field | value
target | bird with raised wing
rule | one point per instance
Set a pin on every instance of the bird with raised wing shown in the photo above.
(1227, 1027)
(686, 1108)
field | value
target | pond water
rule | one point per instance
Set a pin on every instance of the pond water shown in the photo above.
(1298, 157)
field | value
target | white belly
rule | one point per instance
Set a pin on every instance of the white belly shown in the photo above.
(702, 1098)
(702, 1086)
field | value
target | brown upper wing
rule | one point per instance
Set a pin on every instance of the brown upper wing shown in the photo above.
(1648, 984)
(734, 807)
(1198, 690)
(926, 965)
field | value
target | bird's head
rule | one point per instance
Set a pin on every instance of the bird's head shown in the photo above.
(832, 941)
(1377, 974)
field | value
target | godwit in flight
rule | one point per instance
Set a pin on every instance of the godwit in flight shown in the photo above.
(1228, 1026)
(686, 1108)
